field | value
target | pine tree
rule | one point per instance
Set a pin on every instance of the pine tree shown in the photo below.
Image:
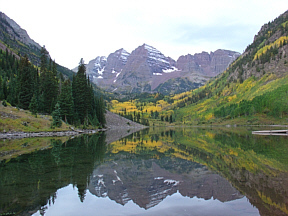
(79, 90)
(49, 83)
(66, 102)
(1, 89)
(43, 59)
(56, 115)
(25, 82)
(33, 107)
(101, 111)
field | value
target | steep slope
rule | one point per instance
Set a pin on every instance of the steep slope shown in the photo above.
(19, 42)
(144, 63)
(254, 87)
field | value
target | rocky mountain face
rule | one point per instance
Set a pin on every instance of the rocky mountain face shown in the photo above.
(147, 182)
(13, 29)
(11, 32)
(146, 69)
(18, 40)
(208, 64)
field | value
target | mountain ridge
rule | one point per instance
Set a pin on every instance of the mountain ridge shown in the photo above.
(17, 40)
(146, 69)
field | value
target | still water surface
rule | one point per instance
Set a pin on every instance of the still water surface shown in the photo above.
(158, 171)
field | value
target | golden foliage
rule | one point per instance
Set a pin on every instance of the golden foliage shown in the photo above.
(264, 49)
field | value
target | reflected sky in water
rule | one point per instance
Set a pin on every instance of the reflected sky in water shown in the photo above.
(68, 203)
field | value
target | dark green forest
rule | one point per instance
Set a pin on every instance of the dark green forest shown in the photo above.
(44, 90)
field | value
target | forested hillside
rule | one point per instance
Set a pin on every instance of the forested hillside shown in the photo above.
(44, 90)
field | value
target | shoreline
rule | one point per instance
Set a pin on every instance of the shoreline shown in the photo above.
(19, 135)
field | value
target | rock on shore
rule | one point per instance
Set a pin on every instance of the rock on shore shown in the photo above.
(115, 121)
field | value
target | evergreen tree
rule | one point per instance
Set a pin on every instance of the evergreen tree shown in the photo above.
(25, 82)
(43, 59)
(49, 83)
(79, 91)
(33, 107)
(101, 111)
(66, 102)
(12, 93)
(4, 88)
(1, 89)
(56, 115)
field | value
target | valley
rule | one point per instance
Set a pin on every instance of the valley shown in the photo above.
(221, 87)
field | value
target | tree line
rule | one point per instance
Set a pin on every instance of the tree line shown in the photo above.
(42, 89)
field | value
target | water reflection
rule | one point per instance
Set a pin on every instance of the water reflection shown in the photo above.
(148, 182)
(30, 181)
(150, 171)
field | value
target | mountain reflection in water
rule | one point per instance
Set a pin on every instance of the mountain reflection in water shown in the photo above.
(148, 182)
(184, 171)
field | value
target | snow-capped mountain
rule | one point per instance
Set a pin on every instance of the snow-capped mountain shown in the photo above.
(95, 68)
(146, 69)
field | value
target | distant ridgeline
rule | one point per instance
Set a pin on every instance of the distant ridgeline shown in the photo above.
(44, 90)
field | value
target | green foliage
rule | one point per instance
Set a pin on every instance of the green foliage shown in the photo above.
(56, 115)
(48, 83)
(274, 103)
(66, 102)
(88, 109)
(22, 85)
(33, 106)
(183, 85)
(26, 80)
(4, 103)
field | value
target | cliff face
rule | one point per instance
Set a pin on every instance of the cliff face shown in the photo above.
(207, 64)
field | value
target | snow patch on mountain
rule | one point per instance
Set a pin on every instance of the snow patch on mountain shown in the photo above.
(171, 182)
(99, 64)
(158, 178)
(101, 71)
(170, 70)
(155, 54)
(124, 55)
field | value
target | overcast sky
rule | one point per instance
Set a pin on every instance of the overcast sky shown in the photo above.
(71, 30)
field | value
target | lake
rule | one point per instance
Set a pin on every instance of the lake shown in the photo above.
(156, 171)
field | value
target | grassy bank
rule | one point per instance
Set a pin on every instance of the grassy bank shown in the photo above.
(15, 120)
